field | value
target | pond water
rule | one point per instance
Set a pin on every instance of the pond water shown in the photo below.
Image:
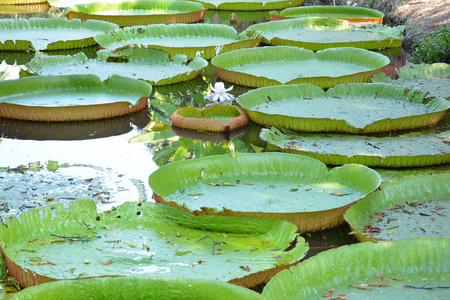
(118, 144)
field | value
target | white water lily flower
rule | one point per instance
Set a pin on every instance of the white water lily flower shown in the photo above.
(220, 95)
(9, 71)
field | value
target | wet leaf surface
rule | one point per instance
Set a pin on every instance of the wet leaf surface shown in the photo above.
(36, 185)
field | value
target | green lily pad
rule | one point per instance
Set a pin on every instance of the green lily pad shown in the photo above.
(205, 40)
(323, 33)
(388, 174)
(71, 97)
(214, 118)
(139, 12)
(138, 288)
(277, 65)
(396, 151)
(211, 15)
(295, 188)
(435, 78)
(144, 239)
(352, 108)
(70, 3)
(36, 185)
(22, 2)
(405, 269)
(24, 8)
(409, 207)
(353, 14)
(49, 34)
(249, 5)
(150, 65)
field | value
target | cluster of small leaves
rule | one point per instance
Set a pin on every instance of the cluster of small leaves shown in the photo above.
(434, 48)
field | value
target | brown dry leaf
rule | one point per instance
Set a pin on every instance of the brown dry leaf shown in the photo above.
(379, 284)
(43, 263)
(337, 193)
(359, 287)
(246, 268)
(328, 293)
(60, 241)
(107, 263)
(33, 240)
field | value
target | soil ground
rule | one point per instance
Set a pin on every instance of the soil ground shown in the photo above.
(421, 17)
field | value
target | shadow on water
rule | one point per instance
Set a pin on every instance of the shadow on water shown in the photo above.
(69, 131)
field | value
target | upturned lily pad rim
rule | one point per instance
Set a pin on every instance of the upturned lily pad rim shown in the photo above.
(394, 192)
(324, 271)
(266, 95)
(424, 71)
(251, 6)
(82, 217)
(392, 36)
(139, 287)
(348, 12)
(28, 8)
(335, 159)
(184, 173)
(182, 12)
(132, 36)
(73, 83)
(417, 71)
(147, 56)
(23, 2)
(52, 23)
(224, 61)
(207, 118)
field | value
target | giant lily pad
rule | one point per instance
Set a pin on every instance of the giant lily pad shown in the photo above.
(295, 188)
(139, 12)
(353, 14)
(323, 33)
(49, 34)
(266, 66)
(412, 206)
(351, 108)
(396, 151)
(36, 185)
(24, 8)
(205, 40)
(138, 288)
(433, 78)
(249, 5)
(214, 118)
(405, 269)
(70, 3)
(144, 239)
(71, 97)
(151, 65)
(23, 1)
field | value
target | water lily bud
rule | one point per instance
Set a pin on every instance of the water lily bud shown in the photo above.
(233, 17)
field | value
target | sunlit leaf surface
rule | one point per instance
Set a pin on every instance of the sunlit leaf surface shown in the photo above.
(144, 239)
